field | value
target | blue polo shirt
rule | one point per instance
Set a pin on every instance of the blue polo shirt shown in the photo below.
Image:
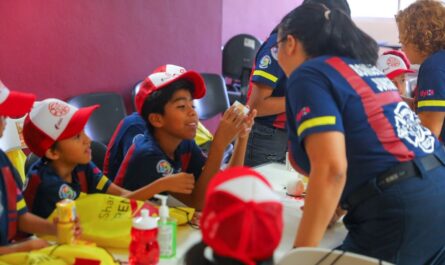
(267, 72)
(340, 94)
(146, 162)
(8, 171)
(430, 92)
(130, 127)
(45, 188)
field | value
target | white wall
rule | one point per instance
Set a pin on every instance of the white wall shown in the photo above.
(381, 29)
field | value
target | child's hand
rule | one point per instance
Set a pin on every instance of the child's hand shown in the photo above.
(77, 229)
(179, 183)
(247, 124)
(34, 244)
(229, 127)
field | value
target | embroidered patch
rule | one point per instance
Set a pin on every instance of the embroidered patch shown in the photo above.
(137, 136)
(265, 61)
(409, 128)
(163, 167)
(303, 112)
(426, 93)
(66, 192)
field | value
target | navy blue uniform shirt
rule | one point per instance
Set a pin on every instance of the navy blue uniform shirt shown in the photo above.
(130, 127)
(339, 94)
(52, 188)
(145, 162)
(430, 92)
(268, 72)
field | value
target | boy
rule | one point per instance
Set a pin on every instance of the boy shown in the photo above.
(14, 216)
(123, 137)
(54, 131)
(395, 65)
(165, 100)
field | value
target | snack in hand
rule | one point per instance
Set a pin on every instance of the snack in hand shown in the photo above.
(243, 109)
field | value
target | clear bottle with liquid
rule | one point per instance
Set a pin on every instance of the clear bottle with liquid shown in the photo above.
(167, 230)
(144, 247)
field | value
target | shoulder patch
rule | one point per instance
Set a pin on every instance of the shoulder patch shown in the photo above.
(163, 167)
(265, 62)
(137, 136)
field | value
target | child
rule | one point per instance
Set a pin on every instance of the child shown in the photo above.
(165, 100)
(135, 126)
(14, 216)
(395, 65)
(241, 222)
(54, 130)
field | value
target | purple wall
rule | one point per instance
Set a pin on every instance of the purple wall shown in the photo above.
(63, 48)
(255, 17)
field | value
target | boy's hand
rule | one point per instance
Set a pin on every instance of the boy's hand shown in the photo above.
(179, 183)
(247, 124)
(77, 229)
(229, 127)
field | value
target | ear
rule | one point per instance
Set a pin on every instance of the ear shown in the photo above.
(52, 154)
(156, 120)
(290, 45)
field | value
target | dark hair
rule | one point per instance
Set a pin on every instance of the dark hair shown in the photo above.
(195, 256)
(331, 4)
(340, 4)
(156, 102)
(324, 31)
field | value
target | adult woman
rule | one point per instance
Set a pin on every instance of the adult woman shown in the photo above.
(422, 35)
(360, 143)
(268, 141)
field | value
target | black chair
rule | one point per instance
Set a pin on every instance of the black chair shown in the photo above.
(238, 59)
(134, 91)
(216, 100)
(98, 151)
(104, 120)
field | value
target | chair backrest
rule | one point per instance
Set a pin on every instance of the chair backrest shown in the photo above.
(104, 120)
(134, 91)
(98, 151)
(320, 256)
(239, 56)
(216, 100)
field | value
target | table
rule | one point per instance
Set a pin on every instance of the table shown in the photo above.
(278, 176)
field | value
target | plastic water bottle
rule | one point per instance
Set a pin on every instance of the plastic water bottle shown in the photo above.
(144, 248)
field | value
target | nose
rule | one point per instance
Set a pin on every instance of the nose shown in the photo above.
(86, 138)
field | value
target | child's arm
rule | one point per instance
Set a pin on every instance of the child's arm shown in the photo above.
(25, 246)
(177, 183)
(230, 126)
(34, 224)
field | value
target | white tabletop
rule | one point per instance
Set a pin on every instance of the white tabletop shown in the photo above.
(278, 176)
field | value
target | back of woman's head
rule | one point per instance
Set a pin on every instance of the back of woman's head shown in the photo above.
(331, 4)
(324, 31)
(241, 222)
(422, 24)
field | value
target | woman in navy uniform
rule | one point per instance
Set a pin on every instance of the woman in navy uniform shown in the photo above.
(268, 139)
(422, 35)
(360, 143)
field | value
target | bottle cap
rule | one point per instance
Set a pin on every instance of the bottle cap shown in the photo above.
(145, 222)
